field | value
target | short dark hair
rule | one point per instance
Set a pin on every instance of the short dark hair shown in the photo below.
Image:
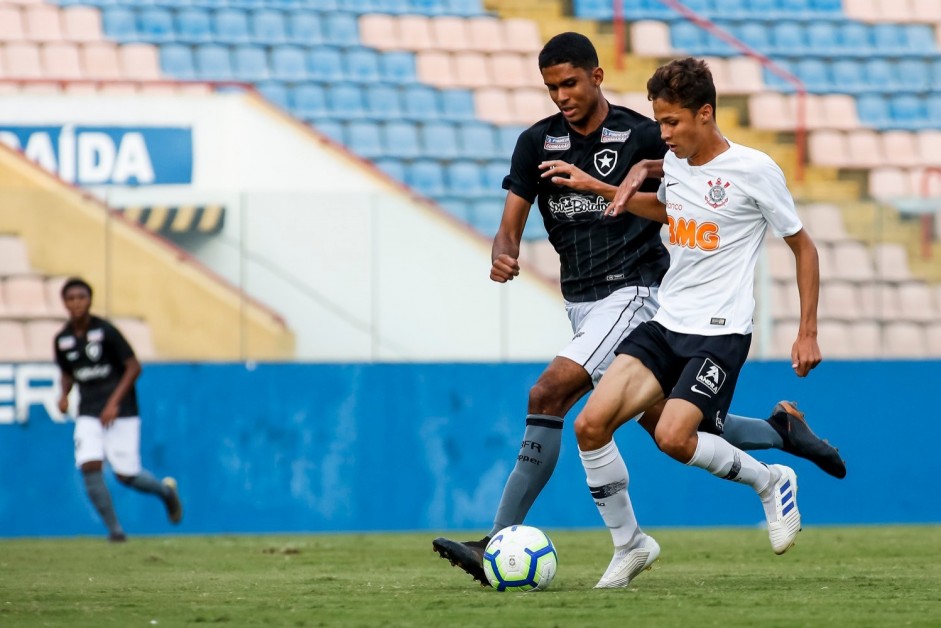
(686, 82)
(570, 47)
(75, 282)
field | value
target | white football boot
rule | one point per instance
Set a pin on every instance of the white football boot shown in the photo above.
(784, 520)
(628, 563)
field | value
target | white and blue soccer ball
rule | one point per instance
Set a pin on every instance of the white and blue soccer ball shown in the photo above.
(520, 558)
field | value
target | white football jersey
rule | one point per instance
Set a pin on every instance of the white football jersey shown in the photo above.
(717, 216)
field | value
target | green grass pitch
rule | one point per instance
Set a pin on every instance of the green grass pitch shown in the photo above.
(834, 577)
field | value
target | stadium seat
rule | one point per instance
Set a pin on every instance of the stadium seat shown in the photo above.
(13, 342)
(823, 39)
(864, 149)
(25, 296)
(421, 103)
(250, 63)
(839, 112)
(785, 301)
(364, 139)
(828, 148)
(880, 75)
(770, 111)
(426, 7)
(754, 35)
(530, 105)
(336, 131)
(486, 34)
(61, 60)
(345, 102)
(507, 137)
(275, 92)
(787, 38)
(891, 262)
(439, 140)
(904, 340)
(932, 334)
(38, 333)
(393, 7)
(398, 68)
(304, 28)
(155, 25)
(362, 66)
(464, 180)
(908, 112)
(464, 8)
(933, 110)
(42, 23)
(825, 223)
(457, 208)
(268, 28)
(435, 68)
(230, 26)
(449, 33)
(471, 69)
(865, 339)
(119, 23)
(814, 74)
(383, 102)
(340, 29)
(193, 26)
(776, 82)
(14, 258)
(899, 149)
(889, 39)
(840, 300)
(485, 214)
(873, 111)
(400, 139)
(686, 37)
(81, 24)
(849, 76)
(913, 75)
(379, 31)
(834, 339)
(929, 149)
(916, 303)
(494, 173)
(138, 334)
(493, 105)
(426, 176)
(522, 35)
(855, 39)
(888, 183)
(11, 23)
(325, 64)
(478, 140)
(650, 39)
(308, 101)
(852, 262)
(213, 63)
(457, 104)
(140, 61)
(288, 64)
(395, 168)
(100, 61)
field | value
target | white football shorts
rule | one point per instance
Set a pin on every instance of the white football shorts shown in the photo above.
(600, 326)
(119, 444)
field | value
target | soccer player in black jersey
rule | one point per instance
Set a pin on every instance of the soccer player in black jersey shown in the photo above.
(571, 164)
(91, 352)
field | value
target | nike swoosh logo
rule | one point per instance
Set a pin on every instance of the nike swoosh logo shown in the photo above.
(695, 389)
(672, 183)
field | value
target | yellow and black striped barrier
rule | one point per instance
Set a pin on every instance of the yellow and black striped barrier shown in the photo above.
(180, 220)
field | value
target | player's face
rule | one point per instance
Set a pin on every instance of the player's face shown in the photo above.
(683, 130)
(575, 91)
(77, 301)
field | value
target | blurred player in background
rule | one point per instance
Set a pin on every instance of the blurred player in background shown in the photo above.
(718, 199)
(611, 270)
(90, 351)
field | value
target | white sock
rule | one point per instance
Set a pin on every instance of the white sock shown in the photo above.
(607, 479)
(723, 460)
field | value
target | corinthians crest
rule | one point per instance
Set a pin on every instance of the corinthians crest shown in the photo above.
(717, 196)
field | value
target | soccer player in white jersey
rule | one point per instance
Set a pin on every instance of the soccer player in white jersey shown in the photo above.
(718, 199)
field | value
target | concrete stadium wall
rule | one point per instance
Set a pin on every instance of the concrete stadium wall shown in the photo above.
(428, 447)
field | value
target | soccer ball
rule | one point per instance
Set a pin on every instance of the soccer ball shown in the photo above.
(520, 558)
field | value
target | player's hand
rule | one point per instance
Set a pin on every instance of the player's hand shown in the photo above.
(638, 173)
(504, 268)
(63, 404)
(109, 414)
(567, 175)
(805, 355)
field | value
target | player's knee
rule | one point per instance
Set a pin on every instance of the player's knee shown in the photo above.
(547, 398)
(590, 433)
(675, 443)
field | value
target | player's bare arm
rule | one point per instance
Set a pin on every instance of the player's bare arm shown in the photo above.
(805, 353)
(504, 256)
(639, 172)
(568, 175)
(132, 369)
(645, 204)
(66, 382)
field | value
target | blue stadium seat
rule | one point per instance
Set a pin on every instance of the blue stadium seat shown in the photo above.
(478, 140)
(156, 26)
(119, 23)
(727, 9)
(395, 168)
(383, 102)
(276, 93)
(920, 38)
(832, 7)
(248, 5)
(359, 7)
(485, 214)
(250, 63)
(823, 39)
(796, 9)
(465, 180)
(715, 46)
(346, 102)
(933, 111)
(341, 29)
(535, 228)
(336, 131)
(304, 28)
(814, 73)
(913, 75)
(593, 9)
(936, 72)
(848, 76)
(193, 26)
(457, 105)
(400, 139)
(755, 35)
(426, 176)
(288, 64)
(855, 39)
(309, 102)
(494, 172)
(889, 39)
(393, 7)
(873, 110)
(398, 68)
(362, 66)
(213, 63)
(880, 75)
(420, 102)
(268, 28)
(439, 140)
(908, 112)
(286, 5)
(777, 83)
(763, 9)
(506, 138)
(364, 138)
(647, 10)
(464, 8)
(426, 7)
(322, 6)
(456, 207)
(788, 39)
(325, 64)
(230, 26)
(686, 37)
(168, 4)
(176, 60)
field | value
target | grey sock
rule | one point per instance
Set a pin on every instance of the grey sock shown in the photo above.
(538, 456)
(101, 500)
(746, 433)
(145, 482)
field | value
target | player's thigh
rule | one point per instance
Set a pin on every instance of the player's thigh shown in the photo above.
(122, 446)
(89, 440)
(679, 420)
(627, 389)
(600, 326)
(709, 376)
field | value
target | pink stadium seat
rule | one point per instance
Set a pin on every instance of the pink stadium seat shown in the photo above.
(634, 100)
(744, 76)
(784, 335)
(651, 39)
(80, 89)
(521, 35)
(493, 105)
(814, 116)
(720, 73)
(828, 148)
(866, 338)
(889, 183)
(899, 149)
(472, 70)
(118, 89)
(864, 149)
(924, 187)
(891, 262)
(60, 60)
(926, 11)
(11, 24)
(826, 260)
(929, 146)
(933, 337)
(904, 340)
(916, 303)
(780, 260)
(852, 262)
(546, 259)
(839, 112)
(415, 32)
(450, 33)
(894, 10)
(785, 300)
(81, 24)
(54, 293)
(379, 31)
(13, 342)
(824, 222)
(530, 105)
(137, 332)
(100, 61)
(834, 340)
(839, 300)
(863, 10)
(43, 23)
(40, 334)
(435, 68)
(486, 34)
(509, 70)
(770, 111)
(22, 60)
(25, 295)
(139, 61)
(14, 259)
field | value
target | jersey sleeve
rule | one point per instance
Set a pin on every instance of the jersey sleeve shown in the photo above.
(774, 200)
(652, 147)
(61, 362)
(122, 348)
(523, 179)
